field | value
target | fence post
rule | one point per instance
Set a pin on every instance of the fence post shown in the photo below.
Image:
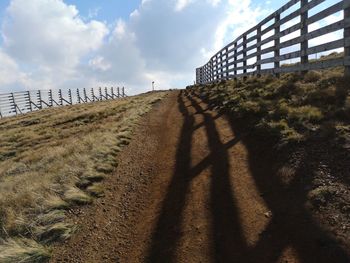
(123, 92)
(70, 97)
(226, 61)
(258, 50)
(100, 92)
(277, 43)
(29, 101)
(221, 66)
(203, 75)
(244, 55)
(60, 97)
(216, 68)
(78, 96)
(347, 38)
(14, 103)
(235, 62)
(112, 91)
(207, 72)
(40, 99)
(50, 98)
(106, 93)
(87, 99)
(92, 94)
(304, 59)
(85, 96)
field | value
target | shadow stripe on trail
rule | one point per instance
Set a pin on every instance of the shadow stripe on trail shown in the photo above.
(168, 228)
(229, 242)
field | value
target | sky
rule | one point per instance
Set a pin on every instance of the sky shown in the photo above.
(61, 44)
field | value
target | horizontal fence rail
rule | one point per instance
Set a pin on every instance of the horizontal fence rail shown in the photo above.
(15, 103)
(248, 54)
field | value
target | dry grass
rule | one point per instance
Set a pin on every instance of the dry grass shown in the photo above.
(52, 160)
(23, 251)
(293, 107)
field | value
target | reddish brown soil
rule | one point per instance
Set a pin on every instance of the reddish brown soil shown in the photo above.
(190, 188)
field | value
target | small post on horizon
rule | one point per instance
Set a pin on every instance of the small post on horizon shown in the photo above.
(152, 85)
(70, 97)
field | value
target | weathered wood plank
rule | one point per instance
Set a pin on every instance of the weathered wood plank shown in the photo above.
(292, 15)
(324, 13)
(316, 65)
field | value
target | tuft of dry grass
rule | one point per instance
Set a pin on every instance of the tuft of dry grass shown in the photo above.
(55, 202)
(52, 160)
(55, 232)
(76, 196)
(23, 251)
(95, 190)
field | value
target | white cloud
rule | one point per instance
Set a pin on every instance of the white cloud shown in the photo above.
(94, 12)
(181, 4)
(49, 33)
(135, 13)
(10, 72)
(239, 18)
(47, 44)
(48, 39)
(214, 2)
(119, 30)
(99, 63)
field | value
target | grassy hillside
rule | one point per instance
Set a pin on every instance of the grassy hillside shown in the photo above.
(293, 107)
(304, 122)
(52, 160)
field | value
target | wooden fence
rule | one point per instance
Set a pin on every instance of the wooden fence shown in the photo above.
(15, 103)
(233, 60)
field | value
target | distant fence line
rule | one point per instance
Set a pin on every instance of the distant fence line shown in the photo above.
(15, 103)
(232, 61)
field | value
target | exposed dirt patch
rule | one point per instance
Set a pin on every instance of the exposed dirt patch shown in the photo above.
(192, 187)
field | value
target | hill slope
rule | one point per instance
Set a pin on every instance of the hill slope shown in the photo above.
(54, 159)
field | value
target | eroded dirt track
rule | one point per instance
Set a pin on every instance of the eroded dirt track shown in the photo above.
(189, 189)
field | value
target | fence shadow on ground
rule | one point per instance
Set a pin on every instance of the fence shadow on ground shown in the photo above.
(290, 226)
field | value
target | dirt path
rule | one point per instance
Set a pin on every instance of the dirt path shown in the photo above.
(189, 189)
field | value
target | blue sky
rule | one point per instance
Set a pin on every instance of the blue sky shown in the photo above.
(112, 10)
(107, 10)
(85, 43)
